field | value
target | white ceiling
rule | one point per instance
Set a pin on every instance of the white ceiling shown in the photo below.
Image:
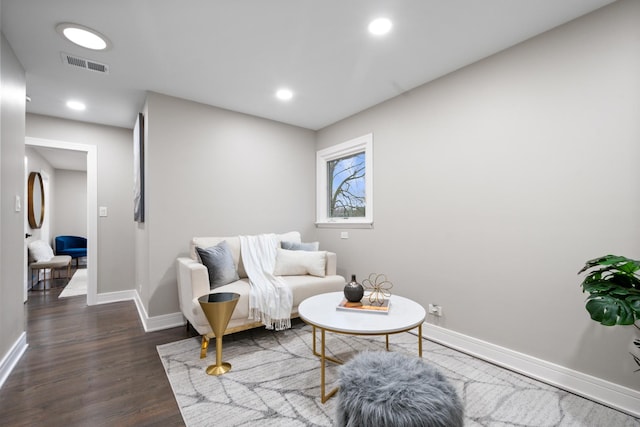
(235, 54)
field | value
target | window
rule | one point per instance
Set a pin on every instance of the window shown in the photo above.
(345, 184)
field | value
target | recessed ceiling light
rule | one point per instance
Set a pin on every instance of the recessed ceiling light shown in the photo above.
(380, 26)
(284, 94)
(83, 36)
(76, 105)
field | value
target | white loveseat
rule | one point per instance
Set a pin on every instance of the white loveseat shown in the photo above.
(193, 282)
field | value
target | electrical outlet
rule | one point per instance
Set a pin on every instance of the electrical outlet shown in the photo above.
(435, 309)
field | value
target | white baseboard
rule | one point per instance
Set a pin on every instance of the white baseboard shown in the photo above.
(12, 357)
(616, 396)
(150, 324)
(157, 323)
(110, 297)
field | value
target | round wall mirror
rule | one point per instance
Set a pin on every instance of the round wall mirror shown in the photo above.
(36, 200)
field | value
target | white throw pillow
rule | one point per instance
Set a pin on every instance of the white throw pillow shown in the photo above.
(40, 250)
(299, 263)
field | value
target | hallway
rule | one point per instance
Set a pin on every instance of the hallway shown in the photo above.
(88, 365)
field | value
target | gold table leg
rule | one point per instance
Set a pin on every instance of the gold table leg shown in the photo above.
(324, 358)
(204, 346)
(314, 341)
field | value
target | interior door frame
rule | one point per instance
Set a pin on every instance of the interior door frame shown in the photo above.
(92, 205)
(26, 269)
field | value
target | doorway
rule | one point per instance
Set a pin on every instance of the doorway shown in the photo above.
(92, 203)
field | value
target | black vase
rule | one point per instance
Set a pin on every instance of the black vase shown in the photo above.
(353, 291)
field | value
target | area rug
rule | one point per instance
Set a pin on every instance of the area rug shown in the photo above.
(77, 285)
(275, 381)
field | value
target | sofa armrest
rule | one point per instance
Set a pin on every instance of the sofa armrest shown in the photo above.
(332, 264)
(193, 282)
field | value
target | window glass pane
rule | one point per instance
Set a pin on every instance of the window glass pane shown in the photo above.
(344, 184)
(347, 187)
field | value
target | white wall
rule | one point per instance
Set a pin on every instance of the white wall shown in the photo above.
(213, 172)
(70, 203)
(12, 105)
(115, 191)
(493, 186)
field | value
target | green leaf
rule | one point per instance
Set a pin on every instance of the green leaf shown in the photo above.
(629, 267)
(598, 286)
(607, 260)
(610, 311)
(634, 303)
(622, 292)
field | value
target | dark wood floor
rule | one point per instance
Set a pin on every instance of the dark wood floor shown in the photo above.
(88, 366)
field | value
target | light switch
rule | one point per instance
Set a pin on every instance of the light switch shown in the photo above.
(344, 235)
(103, 211)
(18, 204)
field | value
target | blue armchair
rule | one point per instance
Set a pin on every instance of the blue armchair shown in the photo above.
(74, 246)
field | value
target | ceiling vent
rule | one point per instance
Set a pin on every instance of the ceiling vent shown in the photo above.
(87, 64)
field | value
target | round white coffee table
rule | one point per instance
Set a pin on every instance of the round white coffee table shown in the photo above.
(320, 312)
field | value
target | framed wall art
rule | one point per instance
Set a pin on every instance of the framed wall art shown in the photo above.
(138, 169)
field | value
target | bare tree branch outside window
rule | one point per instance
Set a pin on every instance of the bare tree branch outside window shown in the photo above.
(347, 190)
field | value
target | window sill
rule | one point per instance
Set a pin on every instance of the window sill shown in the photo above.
(344, 224)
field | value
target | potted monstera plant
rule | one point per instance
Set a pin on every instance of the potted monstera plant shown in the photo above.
(613, 284)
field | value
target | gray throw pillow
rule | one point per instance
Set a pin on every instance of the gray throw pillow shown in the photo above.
(293, 246)
(219, 263)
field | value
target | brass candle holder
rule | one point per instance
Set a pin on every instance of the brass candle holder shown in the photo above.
(218, 308)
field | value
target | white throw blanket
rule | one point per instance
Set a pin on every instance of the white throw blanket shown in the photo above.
(270, 298)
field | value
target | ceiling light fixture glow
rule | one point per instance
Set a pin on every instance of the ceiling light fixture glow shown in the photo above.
(284, 94)
(76, 105)
(83, 36)
(380, 26)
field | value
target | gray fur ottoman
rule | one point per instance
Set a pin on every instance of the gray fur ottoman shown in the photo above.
(386, 389)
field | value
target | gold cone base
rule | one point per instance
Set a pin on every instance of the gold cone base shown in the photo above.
(218, 307)
(219, 370)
